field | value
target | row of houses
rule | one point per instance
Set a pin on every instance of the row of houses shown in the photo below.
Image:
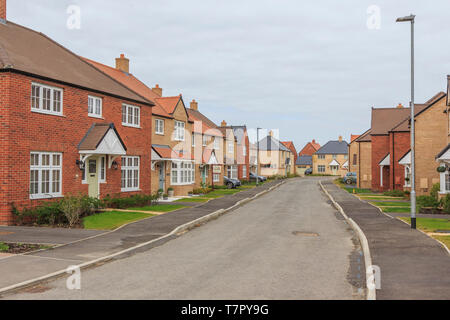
(381, 156)
(73, 125)
(329, 159)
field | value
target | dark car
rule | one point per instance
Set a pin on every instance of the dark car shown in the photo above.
(308, 171)
(350, 178)
(231, 183)
(254, 176)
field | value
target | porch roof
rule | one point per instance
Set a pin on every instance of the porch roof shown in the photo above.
(165, 152)
(386, 160)
(334, 163)
(444, 155)
(406, 159)
(102, 138)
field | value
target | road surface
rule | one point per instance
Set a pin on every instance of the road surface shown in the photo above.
(287, 244)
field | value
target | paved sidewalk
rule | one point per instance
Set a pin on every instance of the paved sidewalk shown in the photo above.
(20, 268)
(413, 266)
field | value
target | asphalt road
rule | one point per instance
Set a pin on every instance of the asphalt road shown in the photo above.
(288, 244)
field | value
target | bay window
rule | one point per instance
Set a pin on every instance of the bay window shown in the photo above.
(45, 175)
(182, 173)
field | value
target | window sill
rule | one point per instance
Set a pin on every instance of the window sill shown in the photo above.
(131, 126)
(130, 190)
(159, 133)
(47, 113)
(95, 116)
(41, 197)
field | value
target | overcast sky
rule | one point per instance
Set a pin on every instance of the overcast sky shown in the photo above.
(312, 69)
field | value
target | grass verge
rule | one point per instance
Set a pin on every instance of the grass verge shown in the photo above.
(390, 204)
(196, 199)
(444, 239)
(396, 209)
(430, 224)
(159, 208)
(112, 219)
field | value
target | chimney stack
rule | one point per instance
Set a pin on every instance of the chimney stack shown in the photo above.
(223, 124)
(123, 63)
(194, 105)
(157, 90)
(340, 138)
(314, 141)
(271, 133)
(3, 10)
(400, 106)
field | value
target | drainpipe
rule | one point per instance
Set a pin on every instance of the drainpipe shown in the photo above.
(393, 161)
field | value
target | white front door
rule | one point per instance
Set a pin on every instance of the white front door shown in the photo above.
(92, 177)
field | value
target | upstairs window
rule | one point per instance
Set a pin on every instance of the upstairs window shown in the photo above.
(179, 131)
(216, 143)
(355, 159)
(230, 146)
(46, 99)
(159, 126)
(205, 140)
(131, 116)
(95, 107)
(321, 156)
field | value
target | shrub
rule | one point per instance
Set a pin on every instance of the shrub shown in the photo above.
(72, 207)
(202, 190)
(394, 193)
(137, 200)
(446, 203)
(427, 201)
(435, 191)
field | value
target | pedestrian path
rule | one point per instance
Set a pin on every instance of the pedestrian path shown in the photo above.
(413, 265)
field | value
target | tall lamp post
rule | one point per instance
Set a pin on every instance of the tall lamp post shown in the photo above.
(257, 155)
(411, 19)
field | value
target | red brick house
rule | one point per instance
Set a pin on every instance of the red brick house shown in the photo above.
(66, 127)
(309, 149)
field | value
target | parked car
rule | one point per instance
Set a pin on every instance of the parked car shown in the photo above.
(231, 183)
(308, 171)
(350, 178)
(254, 176)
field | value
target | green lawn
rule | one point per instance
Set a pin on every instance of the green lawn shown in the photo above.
(444, 239)
(430, 225)
(357, 190)
(112, 219)
(390, 204)
(396, 209)
(383, 198)
(159, 208)
(194, 199)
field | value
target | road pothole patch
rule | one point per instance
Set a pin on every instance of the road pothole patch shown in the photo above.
(305, 234)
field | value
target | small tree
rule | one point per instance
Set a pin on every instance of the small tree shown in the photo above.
(72, 207)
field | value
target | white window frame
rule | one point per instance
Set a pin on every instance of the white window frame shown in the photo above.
(39, 168)
(216, 145)
(232, 171)
(193, 139)
(40, 99)
(178, 129)
(321, 168)
(230, 146)
(94, 110)
(130, 173)
(182, 173)
(159, 126)
(216, 177)
(244, 150)
(321, 156)
(204, 140)
(244, 171)
(132, 116)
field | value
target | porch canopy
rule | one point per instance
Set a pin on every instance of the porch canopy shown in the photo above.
(209, 157)
(406, 159)
(334, 163)
(102, 139)
(386, 162)
(444, 155)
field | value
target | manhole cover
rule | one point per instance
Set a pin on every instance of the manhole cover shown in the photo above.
(305, 234)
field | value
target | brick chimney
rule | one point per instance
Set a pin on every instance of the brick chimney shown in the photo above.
(400, 106)
(3, 9)
(271, 133)
(223, 124)
(340, 138)
(123, 64)
(314, 141)
(194, 105)
(157, 90)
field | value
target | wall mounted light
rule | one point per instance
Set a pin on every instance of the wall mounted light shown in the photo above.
(80, 164)
(115, 165)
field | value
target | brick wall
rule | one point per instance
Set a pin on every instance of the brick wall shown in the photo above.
(400, 144)
(23, 131)
(380, 148)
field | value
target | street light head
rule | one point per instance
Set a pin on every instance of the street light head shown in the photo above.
(409, 18)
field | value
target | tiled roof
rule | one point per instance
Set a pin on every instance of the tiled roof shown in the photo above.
(28, 51)
(334, 147)
(133, 83)
(354, 137)
(168, 103)
(95, 135)
(365, 137)
(384, 119)
(207, 125)
(270, 143)
(304, 160)
(309, 148)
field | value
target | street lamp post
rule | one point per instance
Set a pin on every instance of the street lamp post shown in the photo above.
(257, 155)
(411, 19)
